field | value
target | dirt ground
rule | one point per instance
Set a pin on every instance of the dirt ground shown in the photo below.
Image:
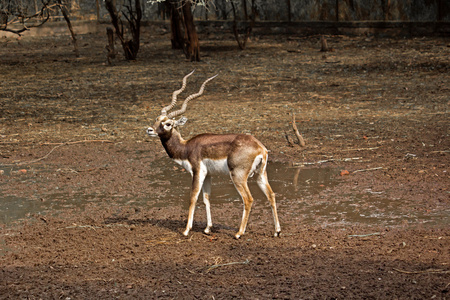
(74, 128)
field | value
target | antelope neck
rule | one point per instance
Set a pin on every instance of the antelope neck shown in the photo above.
(175, 146)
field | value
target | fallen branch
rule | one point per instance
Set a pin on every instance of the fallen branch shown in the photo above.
(79, 142)
(370, 169)
(325, 161)
(436, 271)
(80, 226)
(246, 262)
(359, 149)
(441, 151)
(168, 238)
(53, 149)
(364, 235)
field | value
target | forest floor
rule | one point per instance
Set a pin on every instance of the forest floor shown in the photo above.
(91, 207)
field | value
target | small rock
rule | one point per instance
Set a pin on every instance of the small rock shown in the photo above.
(345, 172)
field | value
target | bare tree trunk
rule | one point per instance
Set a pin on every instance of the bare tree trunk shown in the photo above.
(248, 30)
(65, 13)
(130, 47)
(223, 9)
(175, 26)
(110, 47)
(135, 25)
(289, 12)
(244, 8)
(97, 6)
(193, 46)
(441, 9)
(385, 6)
(337, 10)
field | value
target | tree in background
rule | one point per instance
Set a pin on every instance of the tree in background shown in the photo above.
(63, 6)
(16, 17)
(243, 35)
(192, 45)
(132, 12)
(181, 18)
(16, 13)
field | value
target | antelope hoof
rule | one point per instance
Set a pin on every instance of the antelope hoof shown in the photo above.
(277, 234)
(186, 232)
(207, 230)
(237, 236)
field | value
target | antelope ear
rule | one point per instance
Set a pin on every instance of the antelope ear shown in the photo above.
(181, 121)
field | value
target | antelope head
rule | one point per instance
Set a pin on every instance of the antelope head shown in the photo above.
(165, 123)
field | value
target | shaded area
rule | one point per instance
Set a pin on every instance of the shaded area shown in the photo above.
(147, 261)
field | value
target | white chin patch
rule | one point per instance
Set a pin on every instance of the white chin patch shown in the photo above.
(151, 132)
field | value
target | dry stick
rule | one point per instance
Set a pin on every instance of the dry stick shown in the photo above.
(80, 226)
(438, 271)
(53, 149)
(295, 180)
(295, 164)
(441, 151)
(246, 262)
(370, 169)
(301, 141)
(359, 149)
(365, 235)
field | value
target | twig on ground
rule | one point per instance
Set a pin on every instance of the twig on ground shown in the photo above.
(370, 169)
(190, 271)
(364, 235)
(53, 149)
(437, 271)
(246, 262)
(192, 237)
(80, 226)
(79, 142)
(325, 161)
(168, 238)
(441, 151)
(435, 237)
(359, 149)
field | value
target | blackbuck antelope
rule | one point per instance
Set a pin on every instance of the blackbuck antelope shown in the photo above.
(239, 155)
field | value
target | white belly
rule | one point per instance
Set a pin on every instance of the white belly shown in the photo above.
(216, 166)
(209, 166)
